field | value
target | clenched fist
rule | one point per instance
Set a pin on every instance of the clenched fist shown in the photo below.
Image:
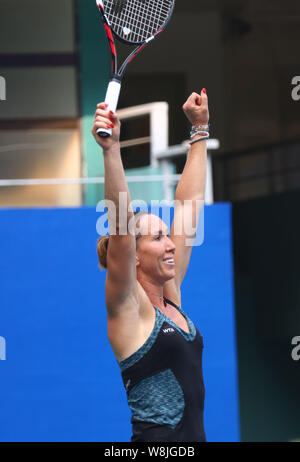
(196, 108)
(106, 119)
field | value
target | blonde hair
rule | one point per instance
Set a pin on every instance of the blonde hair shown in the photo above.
(103, 242)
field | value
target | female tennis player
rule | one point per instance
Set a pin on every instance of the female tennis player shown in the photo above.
(158, 348)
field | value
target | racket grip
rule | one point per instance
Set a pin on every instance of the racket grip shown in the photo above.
(111, 98)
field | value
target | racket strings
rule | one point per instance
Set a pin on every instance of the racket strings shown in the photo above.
(131, 20)
(151, 21)
(140, 28)
(137, 20)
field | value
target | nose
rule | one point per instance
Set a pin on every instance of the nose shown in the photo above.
(170, 245)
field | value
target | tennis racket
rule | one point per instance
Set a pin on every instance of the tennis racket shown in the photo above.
(136, 23)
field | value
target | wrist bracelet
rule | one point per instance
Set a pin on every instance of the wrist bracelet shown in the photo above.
(201, 127)
(199, 139)
(199, 132)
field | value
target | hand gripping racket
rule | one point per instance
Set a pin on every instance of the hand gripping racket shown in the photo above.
(134, 22)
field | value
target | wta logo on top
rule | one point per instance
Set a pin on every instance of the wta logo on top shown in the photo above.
(2, 89)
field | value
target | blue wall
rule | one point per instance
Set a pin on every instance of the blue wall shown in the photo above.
(60, 380)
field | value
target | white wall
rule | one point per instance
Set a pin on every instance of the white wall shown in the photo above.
(40, 154)
(39, 92)
(36, 26)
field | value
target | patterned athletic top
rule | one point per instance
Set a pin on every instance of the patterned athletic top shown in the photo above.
(164, 383)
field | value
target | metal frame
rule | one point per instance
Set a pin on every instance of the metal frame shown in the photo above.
(161, 154)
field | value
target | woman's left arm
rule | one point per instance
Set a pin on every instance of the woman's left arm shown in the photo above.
(192, 182)
(189, 195)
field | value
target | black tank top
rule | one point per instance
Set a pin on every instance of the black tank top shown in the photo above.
(164, 383)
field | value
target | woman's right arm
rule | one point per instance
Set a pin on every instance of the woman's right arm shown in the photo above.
(121, 282)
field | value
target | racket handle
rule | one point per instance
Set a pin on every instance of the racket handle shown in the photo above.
(111, 98)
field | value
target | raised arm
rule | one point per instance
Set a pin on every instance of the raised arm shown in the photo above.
(121, 285)
(189, 195)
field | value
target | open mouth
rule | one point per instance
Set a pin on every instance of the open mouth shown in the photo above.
(169, 261)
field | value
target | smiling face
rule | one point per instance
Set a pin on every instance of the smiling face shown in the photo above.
(155, 250)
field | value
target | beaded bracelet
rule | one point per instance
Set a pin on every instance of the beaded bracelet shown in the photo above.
(200, 127)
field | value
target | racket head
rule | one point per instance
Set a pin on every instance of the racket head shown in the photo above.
(135, 21)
